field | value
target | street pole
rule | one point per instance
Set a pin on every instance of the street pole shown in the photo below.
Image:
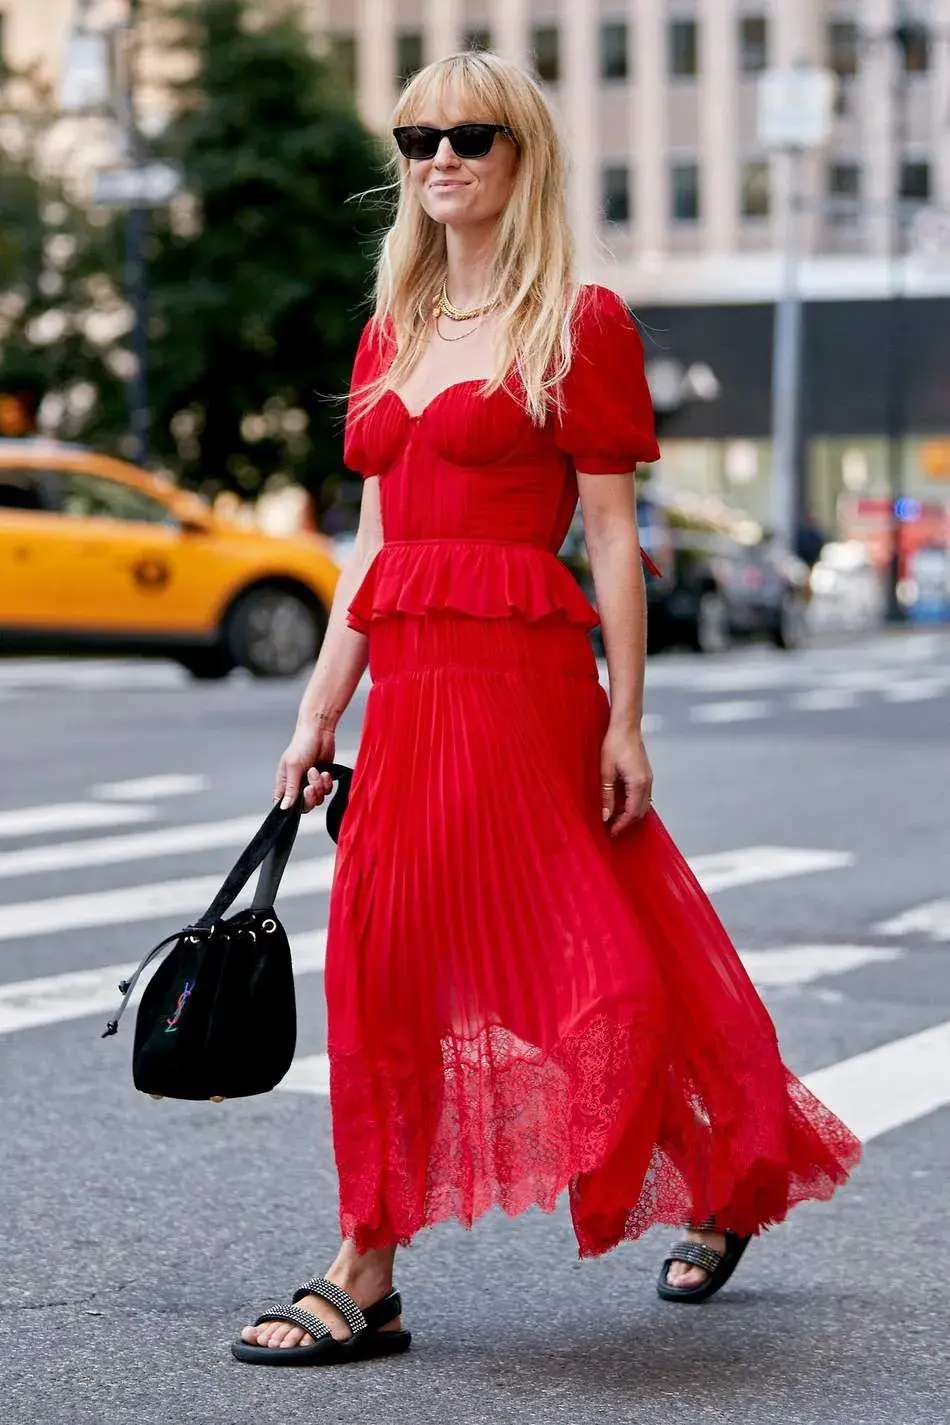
(786, 367)
(134, 228)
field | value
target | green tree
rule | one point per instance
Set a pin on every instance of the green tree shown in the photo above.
(61, 314)
(258, 284)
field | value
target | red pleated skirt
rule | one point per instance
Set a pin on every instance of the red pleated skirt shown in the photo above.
(518, 1005)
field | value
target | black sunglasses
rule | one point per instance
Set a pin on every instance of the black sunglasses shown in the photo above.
(417, 141)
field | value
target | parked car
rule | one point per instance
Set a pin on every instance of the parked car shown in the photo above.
(98, 555)
(720, 577)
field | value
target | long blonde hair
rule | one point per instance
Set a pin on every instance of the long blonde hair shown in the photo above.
(531, 273)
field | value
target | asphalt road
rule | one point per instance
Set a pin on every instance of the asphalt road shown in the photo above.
(810, 791)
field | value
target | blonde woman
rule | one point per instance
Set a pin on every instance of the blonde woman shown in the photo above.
(528, 992)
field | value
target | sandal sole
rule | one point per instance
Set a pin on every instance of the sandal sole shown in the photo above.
(339, 1353)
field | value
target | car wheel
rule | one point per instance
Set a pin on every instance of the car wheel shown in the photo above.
(710, 631)
(791, 626)
(274, 633)
(207, 664)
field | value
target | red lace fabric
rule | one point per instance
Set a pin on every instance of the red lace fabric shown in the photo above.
(517, 1004)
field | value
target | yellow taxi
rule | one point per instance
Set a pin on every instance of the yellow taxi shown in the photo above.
(99, 555)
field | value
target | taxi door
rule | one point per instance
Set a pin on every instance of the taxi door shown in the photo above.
(126, 566)
(29, 593)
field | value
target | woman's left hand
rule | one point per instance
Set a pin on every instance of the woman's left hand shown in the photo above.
(626, 778)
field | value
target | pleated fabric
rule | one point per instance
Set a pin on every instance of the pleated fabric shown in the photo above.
(519, 1005)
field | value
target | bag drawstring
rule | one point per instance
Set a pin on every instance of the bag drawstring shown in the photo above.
(127, 987)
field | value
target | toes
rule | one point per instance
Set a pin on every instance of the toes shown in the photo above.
(250, 1336)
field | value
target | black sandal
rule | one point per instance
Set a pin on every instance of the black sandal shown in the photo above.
(718, 1266)
(365, 1342)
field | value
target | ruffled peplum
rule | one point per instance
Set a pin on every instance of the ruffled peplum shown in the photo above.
(481, 579)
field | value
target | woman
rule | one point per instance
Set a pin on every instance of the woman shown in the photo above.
(527, 989)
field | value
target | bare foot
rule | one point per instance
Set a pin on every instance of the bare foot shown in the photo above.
(681, 1274)
(365, 1278)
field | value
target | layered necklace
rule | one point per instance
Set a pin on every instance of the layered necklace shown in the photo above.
(445, 308)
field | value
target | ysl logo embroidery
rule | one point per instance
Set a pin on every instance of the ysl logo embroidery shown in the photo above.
(172, 1024)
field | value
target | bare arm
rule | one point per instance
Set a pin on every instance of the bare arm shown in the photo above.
(343, 656)
(339, 667)
(613, 544)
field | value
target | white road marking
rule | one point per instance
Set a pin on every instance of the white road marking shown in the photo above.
(145, 789)
(722, 870)
(913, 690)
(154, 900)
(931, 919)
(69, 816)
(308, 1074)
(54, 999)
(733, 710)
(803, 964)
(889, 1086)
(140, 846)
(872, 1093)
(91, 673)
(824, 700)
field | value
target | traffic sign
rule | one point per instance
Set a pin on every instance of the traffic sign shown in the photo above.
(151, 186)
(796, 107)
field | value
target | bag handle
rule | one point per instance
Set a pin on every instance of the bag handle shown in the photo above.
(270, 848)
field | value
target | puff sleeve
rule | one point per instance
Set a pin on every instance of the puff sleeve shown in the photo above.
(606, 423)
(372, 355)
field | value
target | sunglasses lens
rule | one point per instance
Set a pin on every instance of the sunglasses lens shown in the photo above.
(473, 140)
(417, 143)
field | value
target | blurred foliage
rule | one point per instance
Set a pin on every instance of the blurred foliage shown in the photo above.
(259, 278)
(258, 274)
(60, 310)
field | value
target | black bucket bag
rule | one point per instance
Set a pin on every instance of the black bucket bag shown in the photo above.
(218, 1018)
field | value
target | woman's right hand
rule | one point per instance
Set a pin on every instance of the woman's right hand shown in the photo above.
(297, 767)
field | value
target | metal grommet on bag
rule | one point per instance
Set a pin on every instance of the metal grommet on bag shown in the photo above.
(269, 925)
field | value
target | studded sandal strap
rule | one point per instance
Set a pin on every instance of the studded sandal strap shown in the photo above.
(707, 1225)
(696, 1254)
(295, 1316)
(335, 1296)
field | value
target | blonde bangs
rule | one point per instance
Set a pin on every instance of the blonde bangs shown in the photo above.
(531, 273)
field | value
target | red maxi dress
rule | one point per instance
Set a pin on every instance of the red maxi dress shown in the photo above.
(518, 1005)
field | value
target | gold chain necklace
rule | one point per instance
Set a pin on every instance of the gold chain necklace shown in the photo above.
(444, 308)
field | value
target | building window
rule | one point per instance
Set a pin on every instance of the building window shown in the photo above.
(753, 44)
(844, 192)
(756, 189)
(343, 58)
(409, 55)
(915, 181)
(478, 37)
(546, 43)
(843, 48)
(614, 62)
(615, 189)
(683, 40)
(684, 192)
(915, 47)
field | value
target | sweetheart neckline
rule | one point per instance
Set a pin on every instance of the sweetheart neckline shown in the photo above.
(454, 386)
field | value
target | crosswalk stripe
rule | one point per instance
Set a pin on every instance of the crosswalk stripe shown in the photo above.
(69, 816)
(931, 919)
(169, 784)
(889, 1086)
(803, 964)
(872, 1093)
(151, 901)
(55, 999)
(732, 710)
(139, 846)
(154, 900)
